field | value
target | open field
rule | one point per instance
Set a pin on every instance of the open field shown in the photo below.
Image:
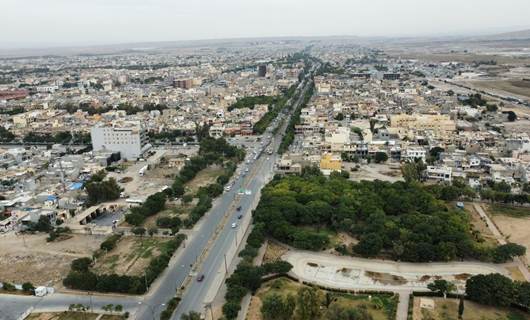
(517, 87)
(130, 257)
(31, 258)
(515, 212)
(514, 223)
(203, 178)
(379, 306)
(459, 56)
(447, 309)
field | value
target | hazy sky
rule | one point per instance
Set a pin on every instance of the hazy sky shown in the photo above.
(73, 22)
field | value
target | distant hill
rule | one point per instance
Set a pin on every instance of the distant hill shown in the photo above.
(514, 35)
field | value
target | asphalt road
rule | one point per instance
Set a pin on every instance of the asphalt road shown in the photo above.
(260, 172)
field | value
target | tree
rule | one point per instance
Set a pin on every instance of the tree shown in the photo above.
(152, 231)
(461, 308)
(523, 293)
(492, 289)
(369, 245)
(442, 287)
(231, 309)
(43, 224)
(507, 251)
(28, 287)
(380, 157)
(276, 307)
(339, 117)
(81, 264)
(108, 308)
(192, 315)
(186, 199)
(308, 303)
(512, 116)
(118, 308)
(139, 231)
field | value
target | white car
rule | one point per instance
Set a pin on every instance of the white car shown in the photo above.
(234, 225)
(227, 188)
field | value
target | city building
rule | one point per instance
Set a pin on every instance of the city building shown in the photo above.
(126, 137)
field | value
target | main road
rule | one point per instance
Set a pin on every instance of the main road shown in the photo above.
(197, 294)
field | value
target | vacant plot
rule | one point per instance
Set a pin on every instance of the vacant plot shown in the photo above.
(30, 258)
(514, 223)
(370, 172)
(70, 315)
(518, 87)
(203, 178)
(173, 209)
(380, 307)
(448, 309)
(131, 256)
(67, 315)
(274, 251)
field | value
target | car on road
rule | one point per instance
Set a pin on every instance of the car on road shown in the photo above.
(200, 278)
(238, 208)
(240, 216)
(227, 188)
(234, 225)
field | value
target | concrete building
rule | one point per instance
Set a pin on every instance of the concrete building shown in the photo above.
(126, 137)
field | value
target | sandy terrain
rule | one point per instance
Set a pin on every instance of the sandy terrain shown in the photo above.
(506, 87)
(41, 262)
(515, 230)
(383, 172)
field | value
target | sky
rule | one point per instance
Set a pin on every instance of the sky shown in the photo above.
(34, 23)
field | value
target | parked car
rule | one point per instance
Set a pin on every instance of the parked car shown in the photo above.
(200, 278)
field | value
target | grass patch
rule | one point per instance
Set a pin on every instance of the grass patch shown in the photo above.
(448, 309)
(515, 212)
(379, 306)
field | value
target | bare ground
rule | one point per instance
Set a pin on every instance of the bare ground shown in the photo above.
(41, 262)
(515, 230)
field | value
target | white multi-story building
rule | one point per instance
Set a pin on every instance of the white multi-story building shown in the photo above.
(126, 137)
(439, 173)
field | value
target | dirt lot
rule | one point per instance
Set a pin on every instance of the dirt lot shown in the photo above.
(287, 287)
(131, 256)
(41, 262)
(383, 172)
(204, 178)
(70, 316)
(448, 309)
(515, 229)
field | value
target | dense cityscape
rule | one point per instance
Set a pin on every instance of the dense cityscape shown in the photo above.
(269, 178)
